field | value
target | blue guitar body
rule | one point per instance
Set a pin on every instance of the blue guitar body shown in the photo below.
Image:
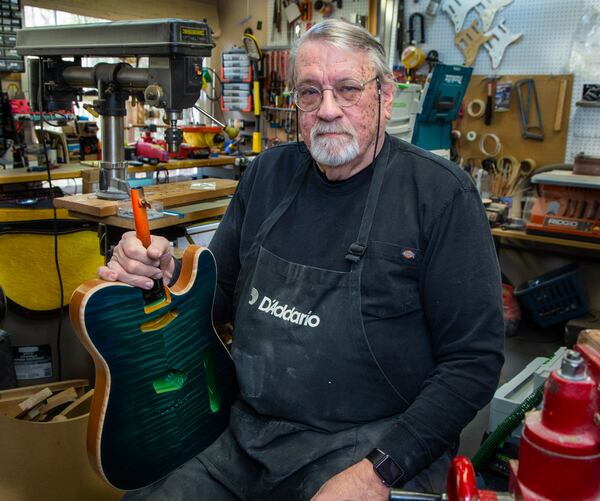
(164, 380)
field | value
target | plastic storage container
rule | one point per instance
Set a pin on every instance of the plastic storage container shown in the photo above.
(554, 297)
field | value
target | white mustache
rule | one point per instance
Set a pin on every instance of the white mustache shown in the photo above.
(330, 128)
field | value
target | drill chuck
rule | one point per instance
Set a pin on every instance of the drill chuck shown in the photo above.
(173, 138)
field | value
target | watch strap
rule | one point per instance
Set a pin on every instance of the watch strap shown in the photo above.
(385, 467)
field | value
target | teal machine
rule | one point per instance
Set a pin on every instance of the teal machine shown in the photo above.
(442, 98)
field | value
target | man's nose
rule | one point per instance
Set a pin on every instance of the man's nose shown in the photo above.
(329, 109)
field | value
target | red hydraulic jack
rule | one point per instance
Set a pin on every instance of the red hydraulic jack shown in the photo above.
(559, 454)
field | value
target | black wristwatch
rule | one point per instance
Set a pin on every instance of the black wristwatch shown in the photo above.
(385, 467)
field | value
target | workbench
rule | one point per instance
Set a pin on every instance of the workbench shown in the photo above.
(88, 171)
(20, 175)
(531, 240)
(90, 177)
(187, 199)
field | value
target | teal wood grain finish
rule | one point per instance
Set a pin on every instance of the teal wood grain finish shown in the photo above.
(146, 435)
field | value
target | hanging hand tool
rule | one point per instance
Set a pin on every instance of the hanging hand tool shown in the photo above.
(491, 97)
(432, 7)
(277, 15)
(560, 105)
(525, 99)
(412, 57)
(400, 29)
(412, 29)
(306, 9)
(255, 55)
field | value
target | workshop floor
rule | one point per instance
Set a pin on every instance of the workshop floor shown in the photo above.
(521, 349)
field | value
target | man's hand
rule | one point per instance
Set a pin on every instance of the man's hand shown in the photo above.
(357, 483)
(133, 264)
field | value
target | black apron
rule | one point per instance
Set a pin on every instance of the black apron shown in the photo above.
(313, 397)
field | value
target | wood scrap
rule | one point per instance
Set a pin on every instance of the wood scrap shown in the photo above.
(29, 403)
(27, 391)
(39, 403)
(69, 395)
(34, 413)
(79, 407)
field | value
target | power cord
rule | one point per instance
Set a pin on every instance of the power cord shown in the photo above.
(55, 228)
(216, 77)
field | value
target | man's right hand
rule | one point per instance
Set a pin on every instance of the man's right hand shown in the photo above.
(133, 264)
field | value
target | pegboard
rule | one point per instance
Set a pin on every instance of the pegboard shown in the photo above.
(507, 124)
(548, 27)
(350, 8)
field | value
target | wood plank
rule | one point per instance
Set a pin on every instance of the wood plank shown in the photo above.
(171, 195)
(92, 176)
(563, 242)
(191, 214)
(20, 175)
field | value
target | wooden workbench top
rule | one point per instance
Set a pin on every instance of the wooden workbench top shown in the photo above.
(171, 195)
(20, 174)
(544, 239)
(178, 164)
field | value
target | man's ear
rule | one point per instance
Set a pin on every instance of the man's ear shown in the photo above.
(388, 90)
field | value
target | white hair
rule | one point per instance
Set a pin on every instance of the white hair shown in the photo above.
(344, 35)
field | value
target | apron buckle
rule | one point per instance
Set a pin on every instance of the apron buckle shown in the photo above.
(355, 252)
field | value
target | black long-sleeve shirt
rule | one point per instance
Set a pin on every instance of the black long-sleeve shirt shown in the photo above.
(430, 286)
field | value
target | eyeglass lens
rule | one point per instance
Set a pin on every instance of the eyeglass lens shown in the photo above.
(345, 92)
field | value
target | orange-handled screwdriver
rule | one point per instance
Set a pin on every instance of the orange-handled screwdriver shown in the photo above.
(158, 294)
(140, 216)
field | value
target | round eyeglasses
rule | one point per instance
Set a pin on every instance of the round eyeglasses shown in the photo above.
(345, 92)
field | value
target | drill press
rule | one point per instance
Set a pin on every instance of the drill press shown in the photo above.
(172, 80)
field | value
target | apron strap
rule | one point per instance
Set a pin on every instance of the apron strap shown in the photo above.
(358, 248)
(290, 195)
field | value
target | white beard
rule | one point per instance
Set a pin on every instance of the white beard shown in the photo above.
(333, 152)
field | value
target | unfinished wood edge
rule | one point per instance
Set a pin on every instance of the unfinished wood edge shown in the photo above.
(26, 391)
(590, 337)
(103, 380)
(82, 400)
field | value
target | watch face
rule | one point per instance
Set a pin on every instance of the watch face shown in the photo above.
(388, 470)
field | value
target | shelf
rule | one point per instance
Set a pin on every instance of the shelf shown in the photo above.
(558, 241)
(35, 117)
(276, 108)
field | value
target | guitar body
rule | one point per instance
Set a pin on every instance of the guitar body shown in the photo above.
(164, 380)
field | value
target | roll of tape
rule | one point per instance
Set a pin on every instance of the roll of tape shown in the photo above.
(509, 163)
(412, 57)
(528, 165)
(471, 135)
(497, 144)
(476, 113)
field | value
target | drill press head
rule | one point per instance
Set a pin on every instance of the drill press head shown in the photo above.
(172, 81)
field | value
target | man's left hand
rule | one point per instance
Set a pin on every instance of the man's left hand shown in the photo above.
(357, 483)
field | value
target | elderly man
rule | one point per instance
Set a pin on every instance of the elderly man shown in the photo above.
(383, 255)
